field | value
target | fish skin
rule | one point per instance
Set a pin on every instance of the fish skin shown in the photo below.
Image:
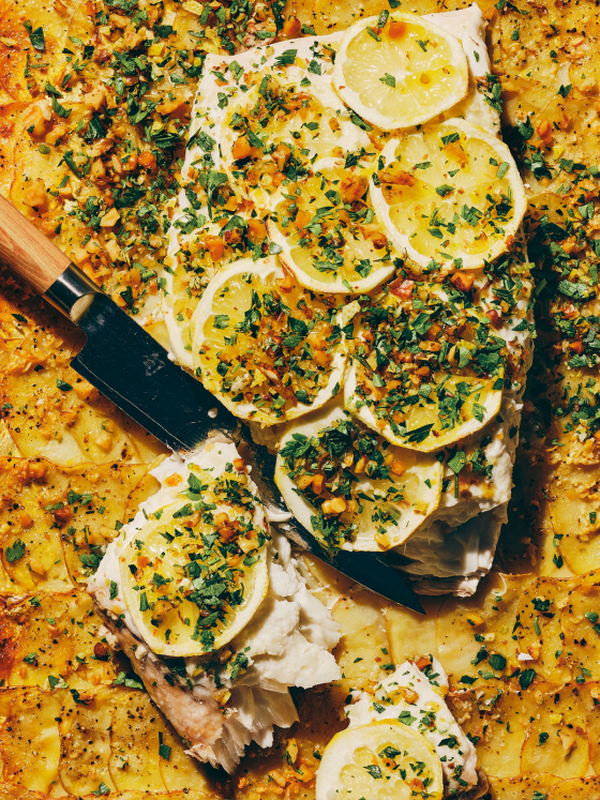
(194, 713)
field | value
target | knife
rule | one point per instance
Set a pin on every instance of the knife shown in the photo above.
(130, 368)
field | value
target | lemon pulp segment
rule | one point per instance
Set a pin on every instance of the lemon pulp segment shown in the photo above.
(401, 74)
(328, 232)
(449, 193)
(269, 349)
(426, 365)
(383, 760)
(196, 573)
(350, 486)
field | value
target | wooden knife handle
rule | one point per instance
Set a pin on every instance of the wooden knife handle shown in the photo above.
(27, 251)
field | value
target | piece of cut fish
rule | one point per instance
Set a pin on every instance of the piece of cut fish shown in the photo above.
(287, 642)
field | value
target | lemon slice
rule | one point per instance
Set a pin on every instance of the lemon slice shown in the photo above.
(328, 233)
(268, 349)
(384, 760)
(426, 365)
(192, 580)
(190, 269)
(402, 74)
(449, 193)
(350, 487)
(455, 407)
(275, 131)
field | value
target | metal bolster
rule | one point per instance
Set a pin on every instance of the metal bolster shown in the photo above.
(72, 292)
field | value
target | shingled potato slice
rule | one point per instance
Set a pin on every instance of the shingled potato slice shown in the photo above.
(57, 520)
(179, 771)
(31, 554)
(93, 664)
(145, 488)
(13, 58)
(538, 628)
(561, 715)
(500, 719)
(29, 739)
(411, 634)
(44, 646)
(580, 551)
(94, 521)
(578, 621)
(364, 645)
(574, 509)
(134, 759)
(523, 787)
(490, 614)
(85, 723)
(54, 412)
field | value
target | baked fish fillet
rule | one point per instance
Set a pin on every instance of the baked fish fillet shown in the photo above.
(223, 699)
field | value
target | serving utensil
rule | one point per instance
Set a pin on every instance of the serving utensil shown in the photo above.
(130, 368)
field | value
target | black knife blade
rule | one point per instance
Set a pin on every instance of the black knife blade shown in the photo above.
(129, 367)
(369, 569)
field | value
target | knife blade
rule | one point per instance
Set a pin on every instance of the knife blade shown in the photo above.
(176, 408)
(129, 367)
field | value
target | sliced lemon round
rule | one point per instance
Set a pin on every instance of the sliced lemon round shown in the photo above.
(192, 580)
(426, 365)
(383, 760)
(350, 487)
(402, 74)
(327, 231)
(190, 269)
(275, 131)
(267, 348)
(455, 407)
(449, 193)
